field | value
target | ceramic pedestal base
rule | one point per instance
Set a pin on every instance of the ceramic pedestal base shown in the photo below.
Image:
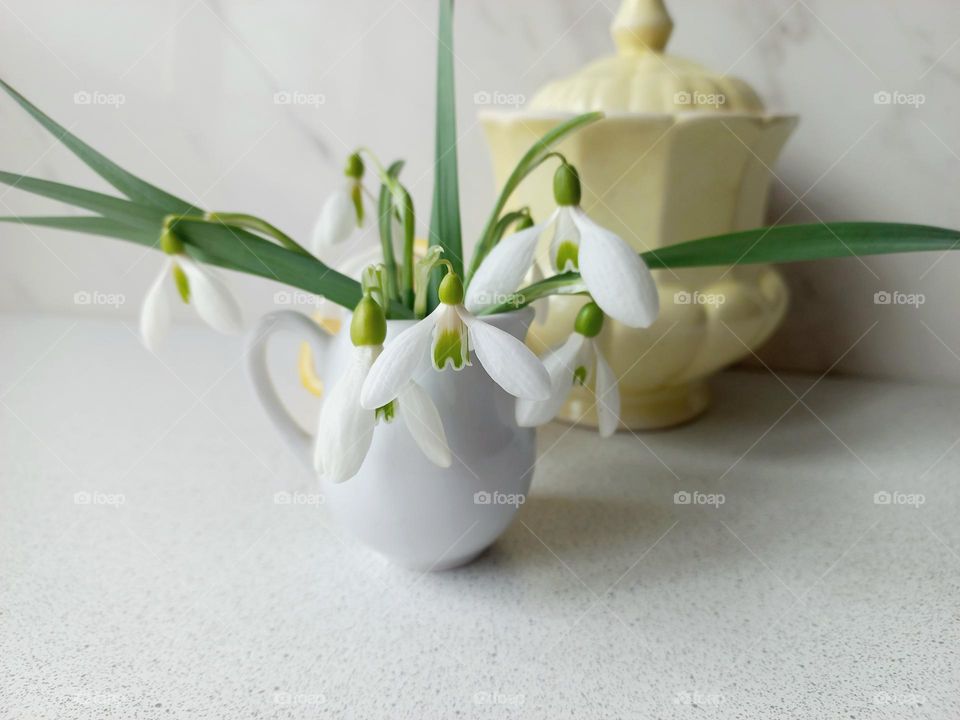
(657, 409)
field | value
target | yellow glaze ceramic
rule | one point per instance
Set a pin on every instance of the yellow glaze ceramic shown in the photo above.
(682, 154)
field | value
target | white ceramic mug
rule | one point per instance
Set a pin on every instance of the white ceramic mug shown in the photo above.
(400, 504)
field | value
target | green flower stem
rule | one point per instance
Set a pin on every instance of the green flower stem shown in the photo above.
(409, 232)
(385, 208)
(422, 270)
(392, 201)
(505, 222)
(251, 222)
(537, 154)
(568, 283)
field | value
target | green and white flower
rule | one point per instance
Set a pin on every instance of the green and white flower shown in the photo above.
(342, 211)
(447, 336)
(611, 271)
(196, 284)
(345, 428)
(579, 361)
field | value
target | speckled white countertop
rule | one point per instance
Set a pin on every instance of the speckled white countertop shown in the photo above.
(177, 587)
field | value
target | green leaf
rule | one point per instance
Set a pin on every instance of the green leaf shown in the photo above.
(781, 244)
(116, 208)
(793, 243)
(231, 248)
(445, 216)
(91, 225)
(127, 183)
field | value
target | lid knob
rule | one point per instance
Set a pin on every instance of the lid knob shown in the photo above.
(641, 26)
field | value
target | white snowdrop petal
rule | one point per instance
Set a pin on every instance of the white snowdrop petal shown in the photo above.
(510, 363)
(607, 395)
(156, 311)
(503, 269)
(336, 221)
(345, 429)
(398, 363)
(210, 297)
(423, 421)
(618, 280)
(560, 364)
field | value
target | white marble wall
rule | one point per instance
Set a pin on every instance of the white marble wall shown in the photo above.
(198, 79)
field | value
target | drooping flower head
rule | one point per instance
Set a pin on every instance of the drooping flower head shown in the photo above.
(611, 271)
(342, 211)
(448, 335)
(577, 361)
(345, 428)
(196, 285)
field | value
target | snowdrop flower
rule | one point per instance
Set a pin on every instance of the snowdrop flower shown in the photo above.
(342, 212)
(578, 360)
(197, 285)
(448, 334)
(345, 428)
(616, 277)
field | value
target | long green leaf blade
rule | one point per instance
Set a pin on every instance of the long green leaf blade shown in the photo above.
(793, 243)
(124, 181)
(91, 225)
(234, 249)
(781, 244)
(445, 216)
(116, 208)
(227, 247)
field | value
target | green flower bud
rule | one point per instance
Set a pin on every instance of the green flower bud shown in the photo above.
(589, 320)
(354, 167)
(369, 324)
(566, 185)
(451, 289)
(170, 243)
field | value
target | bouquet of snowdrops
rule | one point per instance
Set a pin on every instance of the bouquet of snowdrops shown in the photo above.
(449, 297)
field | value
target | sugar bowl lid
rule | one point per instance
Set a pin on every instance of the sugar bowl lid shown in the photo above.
(642, 78)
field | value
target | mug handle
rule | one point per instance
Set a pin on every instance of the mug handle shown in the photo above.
(299, 441)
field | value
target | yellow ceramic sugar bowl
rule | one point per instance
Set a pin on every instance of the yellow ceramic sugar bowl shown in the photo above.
(683, 153)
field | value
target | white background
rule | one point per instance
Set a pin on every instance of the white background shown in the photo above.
(198, 79)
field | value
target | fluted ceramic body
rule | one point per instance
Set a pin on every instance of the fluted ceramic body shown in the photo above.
(683, 153)
(400, 504)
